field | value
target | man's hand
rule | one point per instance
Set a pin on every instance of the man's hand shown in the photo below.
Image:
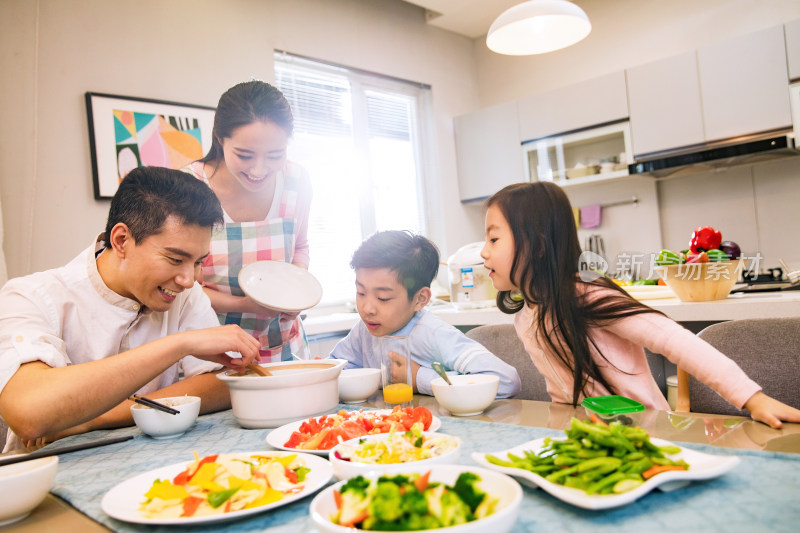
(211, 344)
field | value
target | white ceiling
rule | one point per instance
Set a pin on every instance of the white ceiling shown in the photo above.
(470, 18)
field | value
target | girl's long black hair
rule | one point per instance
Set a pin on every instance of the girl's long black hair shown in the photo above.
(546, 270)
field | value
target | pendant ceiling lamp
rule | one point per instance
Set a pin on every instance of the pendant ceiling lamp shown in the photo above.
(538, 26)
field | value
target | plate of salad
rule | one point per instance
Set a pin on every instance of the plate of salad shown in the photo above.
(600, 466)
(387, 451)
(453, 498)
(319, 434)
(216, 488)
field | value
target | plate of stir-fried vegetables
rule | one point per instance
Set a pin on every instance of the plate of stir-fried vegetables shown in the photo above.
(600, 466)
(217, 487)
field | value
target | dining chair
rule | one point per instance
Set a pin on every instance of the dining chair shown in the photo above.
(767, 349)
(502, 341)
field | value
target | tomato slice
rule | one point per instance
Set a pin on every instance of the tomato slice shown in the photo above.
(422, 414)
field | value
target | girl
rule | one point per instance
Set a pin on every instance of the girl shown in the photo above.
(587, 337)
(266, 202)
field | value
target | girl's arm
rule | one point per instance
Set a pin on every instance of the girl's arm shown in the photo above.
(664, 336)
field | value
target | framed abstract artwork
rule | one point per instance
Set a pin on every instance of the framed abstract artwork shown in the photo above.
(126, 132)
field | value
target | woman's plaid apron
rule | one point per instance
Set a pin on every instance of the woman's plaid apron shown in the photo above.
(237, 244)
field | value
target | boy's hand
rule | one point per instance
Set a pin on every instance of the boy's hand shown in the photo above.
(399, 371)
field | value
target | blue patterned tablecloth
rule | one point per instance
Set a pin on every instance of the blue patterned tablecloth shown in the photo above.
(761, 494)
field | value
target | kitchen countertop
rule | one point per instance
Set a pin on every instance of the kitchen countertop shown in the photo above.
(778, 304)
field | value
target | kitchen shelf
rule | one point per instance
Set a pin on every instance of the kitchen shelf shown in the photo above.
(587, 156)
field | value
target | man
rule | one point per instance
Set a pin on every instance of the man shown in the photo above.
(125, 316)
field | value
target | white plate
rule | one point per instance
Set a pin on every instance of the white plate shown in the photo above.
(122, 502)
(701, 466)
(506, 490)
(278, 436)
(281, 286)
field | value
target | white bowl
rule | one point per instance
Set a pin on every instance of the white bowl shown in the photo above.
(498, 485)
(161, 425)
(358, 384)
(344, 469)
(295, 390)
(469, 394)
(24, 486)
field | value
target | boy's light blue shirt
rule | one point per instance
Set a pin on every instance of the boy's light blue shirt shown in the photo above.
(430, 339)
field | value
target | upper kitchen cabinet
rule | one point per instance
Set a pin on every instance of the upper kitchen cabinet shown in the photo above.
(744, 85)
(664, 99)
(735, 87)
(792, 32)
(488, 151)
(581, 105)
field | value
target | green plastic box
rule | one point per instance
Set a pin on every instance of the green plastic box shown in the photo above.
(614, 409)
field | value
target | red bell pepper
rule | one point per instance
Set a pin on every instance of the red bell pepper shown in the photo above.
(705, 238)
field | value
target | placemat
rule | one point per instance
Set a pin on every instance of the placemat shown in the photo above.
(758, 495)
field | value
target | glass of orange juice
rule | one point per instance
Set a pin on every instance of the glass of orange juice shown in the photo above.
(395, 369)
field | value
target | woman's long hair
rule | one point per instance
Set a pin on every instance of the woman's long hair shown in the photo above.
(546, 270)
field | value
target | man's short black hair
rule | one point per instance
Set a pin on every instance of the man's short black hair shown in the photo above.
(147, 196)
(413, 257)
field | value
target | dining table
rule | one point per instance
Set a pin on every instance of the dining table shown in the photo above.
(759, 494)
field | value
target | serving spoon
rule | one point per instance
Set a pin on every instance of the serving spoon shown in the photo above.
(439, 368)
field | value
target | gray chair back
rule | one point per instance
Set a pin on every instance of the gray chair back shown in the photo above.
(502, 341)
(767, 349)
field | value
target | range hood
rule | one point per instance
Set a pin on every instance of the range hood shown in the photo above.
(730, 152)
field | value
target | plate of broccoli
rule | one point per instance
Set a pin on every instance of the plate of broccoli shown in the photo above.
(453, 498)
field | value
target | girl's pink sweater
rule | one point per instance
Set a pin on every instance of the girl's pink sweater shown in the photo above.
(625, 365)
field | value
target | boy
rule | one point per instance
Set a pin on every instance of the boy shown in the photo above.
(121, 318)
(394, 270)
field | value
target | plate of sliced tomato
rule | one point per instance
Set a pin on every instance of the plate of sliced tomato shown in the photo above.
(319, 434)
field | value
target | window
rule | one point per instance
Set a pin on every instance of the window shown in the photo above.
(359, 136)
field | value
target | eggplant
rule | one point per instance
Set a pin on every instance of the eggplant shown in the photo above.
(731, 249)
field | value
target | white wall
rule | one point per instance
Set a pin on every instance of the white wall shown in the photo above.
(53, 51)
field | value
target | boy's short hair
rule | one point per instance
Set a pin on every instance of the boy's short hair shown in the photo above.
(147, 196)
(413, 257)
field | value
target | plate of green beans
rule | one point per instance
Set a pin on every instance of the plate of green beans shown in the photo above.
(600, 466)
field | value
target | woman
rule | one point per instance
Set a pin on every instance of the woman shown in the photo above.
(266, 201)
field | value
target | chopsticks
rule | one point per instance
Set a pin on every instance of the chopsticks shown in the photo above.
(57, 451)
(258, 369)
(151, 403)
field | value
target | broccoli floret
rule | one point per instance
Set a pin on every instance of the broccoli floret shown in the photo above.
(398, 480)
(414, 502)
(469, 492)
(454, 510)
(386, 502)
(356, 484)
(417, 522)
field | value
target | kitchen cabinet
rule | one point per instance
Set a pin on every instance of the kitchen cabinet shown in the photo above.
(665, 107)
(744, 84)
(581, 105)
(585, 156)
(735, 87)
(792, 33)
(488, 151)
